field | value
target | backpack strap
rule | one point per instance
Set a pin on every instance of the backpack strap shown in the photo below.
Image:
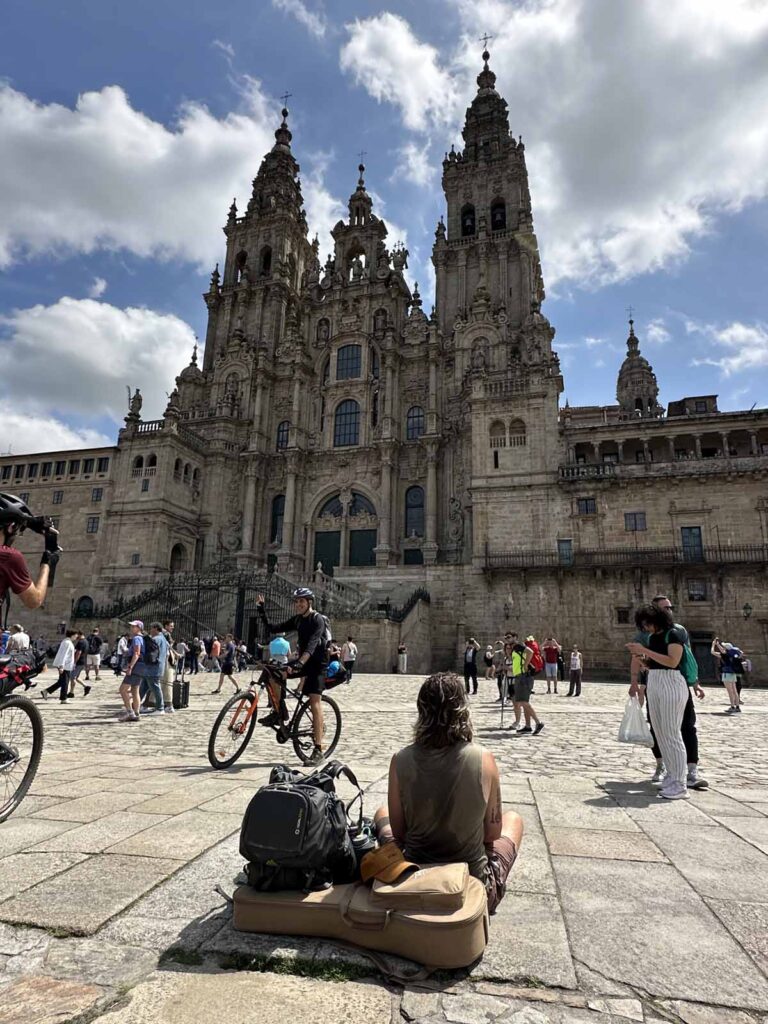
(336, 769)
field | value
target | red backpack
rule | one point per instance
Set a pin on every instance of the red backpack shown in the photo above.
(536, 663)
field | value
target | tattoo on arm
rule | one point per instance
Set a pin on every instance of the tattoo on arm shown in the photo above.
(496, 811)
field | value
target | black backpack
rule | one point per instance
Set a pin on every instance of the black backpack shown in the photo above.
(151, 655)
(94, 644)
(296, 831)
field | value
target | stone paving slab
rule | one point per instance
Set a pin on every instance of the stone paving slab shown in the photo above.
(96, 836)
(89, 808)
(748, 923)
(185, 835)
(185, 797)
(82, 899)
(241, 997)
(21, 871)
(43, 1000)
(528, 939)
(754, 830)
(708, 858)
(602, 844)
(23, 833)
(652, 808)
(714, 803)
(675, 937)
(583, 810)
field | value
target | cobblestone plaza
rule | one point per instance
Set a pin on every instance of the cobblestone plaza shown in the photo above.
(620, 907)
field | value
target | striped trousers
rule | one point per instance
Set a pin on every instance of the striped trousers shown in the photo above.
(667, 695)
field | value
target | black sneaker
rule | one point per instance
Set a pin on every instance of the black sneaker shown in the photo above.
(270, 720)
(317, 756)
(526, 728)
(87, 690)
(539, 727)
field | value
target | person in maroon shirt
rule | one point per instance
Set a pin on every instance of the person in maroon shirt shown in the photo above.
(15, 517)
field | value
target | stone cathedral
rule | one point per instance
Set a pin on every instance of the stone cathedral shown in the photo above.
(334, 428)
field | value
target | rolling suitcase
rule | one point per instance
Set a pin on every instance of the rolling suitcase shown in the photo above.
(440, 936)
(180, 693)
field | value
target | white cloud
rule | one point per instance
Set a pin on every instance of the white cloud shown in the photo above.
(80, 355)
(314, 21)
(745, 346)
(594, 342)
(97, 289)
(385, 57)
(413, 165)
(644, 122)
(24, 433)
(106, 176)
(656, 331)
(227, 49)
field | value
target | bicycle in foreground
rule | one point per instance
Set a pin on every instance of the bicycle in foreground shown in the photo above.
(233, 728)
(21, 729)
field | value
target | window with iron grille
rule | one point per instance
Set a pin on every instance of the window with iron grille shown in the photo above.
(634, 521)
(586, 506)
(58, 497)
(348, 362)
(697, 590)
(92, 524)
(346, 424)
(97, 493)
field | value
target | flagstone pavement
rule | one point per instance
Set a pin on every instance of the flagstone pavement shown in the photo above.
(620, 907)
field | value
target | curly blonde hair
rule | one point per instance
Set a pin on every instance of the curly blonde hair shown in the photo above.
(443, 712)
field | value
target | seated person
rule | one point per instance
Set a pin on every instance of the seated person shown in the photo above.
(279, 649)
(444, 794)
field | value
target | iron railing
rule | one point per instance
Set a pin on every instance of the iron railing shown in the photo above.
(628, 556)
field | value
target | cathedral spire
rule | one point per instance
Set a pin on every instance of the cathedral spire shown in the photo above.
(283, 134)
(637, 389)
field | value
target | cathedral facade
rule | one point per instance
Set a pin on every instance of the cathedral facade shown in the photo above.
(333, 427)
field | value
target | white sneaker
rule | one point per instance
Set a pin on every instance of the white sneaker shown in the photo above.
(169, 709)
(674, 791)
(659, 776)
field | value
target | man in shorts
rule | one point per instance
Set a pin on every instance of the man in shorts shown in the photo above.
(129, 688)
(93, 653)
(228, 654)
(551, 651)
(81, 660)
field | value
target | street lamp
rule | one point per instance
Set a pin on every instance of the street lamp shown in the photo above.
(747, 610)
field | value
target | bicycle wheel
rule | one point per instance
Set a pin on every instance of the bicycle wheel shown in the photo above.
(21, 746)
(231, 731)
(302, 733)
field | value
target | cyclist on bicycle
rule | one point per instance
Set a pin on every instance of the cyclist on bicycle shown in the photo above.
(15, 517)
(310, 663)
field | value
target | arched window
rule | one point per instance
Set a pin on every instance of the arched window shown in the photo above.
(138, 462)
(283, 430)
(415, 423)
(498, 215)
(375, 408)
(332, 507)
(195, 477)
(348, 362)
(639, 404)
(467, 220)
(152, 461)
(374, 364)
(276, 522)
(83, 607)
(178, 558)
(240, 261)
(265, 261)
(177, 468)
(414, 512)
(498, 434)
(346, 424)
(187, 471)
(360, 505)
(516, 434)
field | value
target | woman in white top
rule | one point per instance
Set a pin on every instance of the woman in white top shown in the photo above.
(64, 662)
(576, 666)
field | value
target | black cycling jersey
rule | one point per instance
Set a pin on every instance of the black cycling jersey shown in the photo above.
(310, 629)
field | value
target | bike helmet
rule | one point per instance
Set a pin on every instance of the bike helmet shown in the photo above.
(14, 510)
(304, 592)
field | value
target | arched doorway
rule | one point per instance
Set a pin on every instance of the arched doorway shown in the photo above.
(178, 558)
(83, 607)
(346, 532)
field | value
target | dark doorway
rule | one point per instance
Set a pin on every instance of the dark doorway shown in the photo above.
(693, 548)
(701, 644)
(361, 547)
(328, 550)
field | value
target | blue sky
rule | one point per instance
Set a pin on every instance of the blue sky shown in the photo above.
(127, 129)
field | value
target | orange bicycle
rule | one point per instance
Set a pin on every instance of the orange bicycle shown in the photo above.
(234, 724)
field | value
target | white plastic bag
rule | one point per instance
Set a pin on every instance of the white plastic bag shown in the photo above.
(634, 728)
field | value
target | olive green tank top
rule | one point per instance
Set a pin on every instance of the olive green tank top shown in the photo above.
(441, 791)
